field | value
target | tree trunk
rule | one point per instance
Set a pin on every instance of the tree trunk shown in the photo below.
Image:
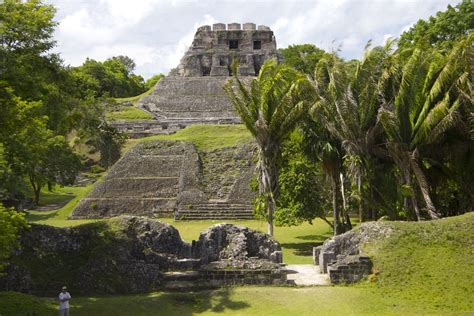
(414, 203)
(423, 185)
(268, 184)
(36, 190)
(335, 205)
(346, 221)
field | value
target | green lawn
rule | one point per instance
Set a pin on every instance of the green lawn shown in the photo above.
(59, 217)
(129, 113)
(205, 137)
(253, 300)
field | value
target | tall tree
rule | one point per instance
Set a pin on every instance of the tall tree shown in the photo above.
(270, 107)
(302, 57)
(347, 105)
(442, 30)
(420, 103)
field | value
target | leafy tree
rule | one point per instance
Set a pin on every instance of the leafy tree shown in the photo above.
(112, 77)
(153, 81)
(443, 30)
(421, 102)
(303, 57)
(302, 196)
(109, 141)
(11, 222)
(270, 106)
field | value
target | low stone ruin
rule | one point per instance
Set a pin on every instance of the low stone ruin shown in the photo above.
(132, 254)
(342, 256)
(234, 244)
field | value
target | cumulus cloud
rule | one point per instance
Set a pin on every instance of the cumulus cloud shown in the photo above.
(156, 33)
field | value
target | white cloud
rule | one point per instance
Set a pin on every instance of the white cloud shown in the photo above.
(156, 33)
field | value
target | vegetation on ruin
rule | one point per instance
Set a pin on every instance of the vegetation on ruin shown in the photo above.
(205, 137)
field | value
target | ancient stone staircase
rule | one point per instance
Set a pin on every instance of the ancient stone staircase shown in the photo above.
(145, 181)
(215, 210)
(190, 100)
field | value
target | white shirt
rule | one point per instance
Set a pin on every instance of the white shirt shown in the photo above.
(66, 297)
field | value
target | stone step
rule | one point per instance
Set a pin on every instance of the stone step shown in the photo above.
(224, 211)
(186, 216)
(137, 186)
(147, 166)
(181, 276)
(221, 207)
(108, 207)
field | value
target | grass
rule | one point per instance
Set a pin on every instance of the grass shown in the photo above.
(129, 113)
(297, 241)
(205, 137)
(430, 261)
(135, 98)
(252, 300)
(59, 217)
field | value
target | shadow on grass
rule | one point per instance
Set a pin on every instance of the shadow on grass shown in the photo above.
(160, 303)
(37, 216)
(301, 248)
(315, 238)
(305, 248)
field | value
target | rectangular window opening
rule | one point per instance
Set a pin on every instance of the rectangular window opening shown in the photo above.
(233, 44)
(257, 44)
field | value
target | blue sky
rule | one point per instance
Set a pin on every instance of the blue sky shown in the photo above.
(156, 33)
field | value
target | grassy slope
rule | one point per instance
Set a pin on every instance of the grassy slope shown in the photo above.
(428, 262)
(205, 137)
(131, 112)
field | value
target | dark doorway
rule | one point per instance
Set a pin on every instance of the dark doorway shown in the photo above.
(233, 44)
(257, 44)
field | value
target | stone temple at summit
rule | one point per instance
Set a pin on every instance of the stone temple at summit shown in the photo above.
(173, 178)
(192, 93)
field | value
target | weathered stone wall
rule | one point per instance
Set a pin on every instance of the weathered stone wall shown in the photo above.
(158, 178)
(125, 256)
(234, 243)
(184, 101)
(349, 269)
(134, 254)
(144, 181)
(342, 256)
(213, 50)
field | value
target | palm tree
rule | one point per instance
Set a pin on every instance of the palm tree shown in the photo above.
(270, 106)
(420, 102)
(347, 105)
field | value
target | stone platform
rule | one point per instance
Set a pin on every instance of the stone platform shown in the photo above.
(190, 100)
(172, 179)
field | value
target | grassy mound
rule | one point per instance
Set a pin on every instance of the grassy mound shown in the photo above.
(13, 303)
(429, 262)
(130, 113)
(205, 137)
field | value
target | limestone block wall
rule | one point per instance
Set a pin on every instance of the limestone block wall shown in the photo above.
(158, 178)
(349, 269)
(190, 101)
(144, 181)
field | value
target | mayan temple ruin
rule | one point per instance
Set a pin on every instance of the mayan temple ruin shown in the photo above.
(174, 179)
(193, 93)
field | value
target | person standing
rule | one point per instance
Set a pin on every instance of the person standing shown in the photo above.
(64, 298)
